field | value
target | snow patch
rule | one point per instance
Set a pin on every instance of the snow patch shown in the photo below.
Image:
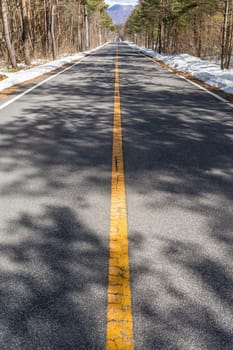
(208, 72)
(23, 75)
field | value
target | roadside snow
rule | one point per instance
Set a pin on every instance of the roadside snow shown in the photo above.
(28, 74)
(208, 72)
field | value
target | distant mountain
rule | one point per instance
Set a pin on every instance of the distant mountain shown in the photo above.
(120, 13)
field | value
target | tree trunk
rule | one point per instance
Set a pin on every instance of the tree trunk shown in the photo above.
(224, 34)
(54, 46)
(25, 32)
(80, 20)
(197, 24)
(10, 47)
(159, 37)
(229, 37)
(86, 27)
(47, 22)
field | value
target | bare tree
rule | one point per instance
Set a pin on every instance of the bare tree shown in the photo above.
(25, 31)
(86, 26)
(44, 28)
(6, 27)
(54, 46)
(227, 34)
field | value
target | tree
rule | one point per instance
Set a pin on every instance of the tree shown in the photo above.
(54, 45)
(25, 35)
(227, 34)
(47, 28)
(6, 27)
(173, 26)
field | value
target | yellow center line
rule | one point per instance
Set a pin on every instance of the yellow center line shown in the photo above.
(119, 314)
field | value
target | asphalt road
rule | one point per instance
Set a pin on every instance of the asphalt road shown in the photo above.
(55, 188)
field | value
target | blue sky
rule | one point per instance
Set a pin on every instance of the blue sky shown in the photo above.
(123, 2)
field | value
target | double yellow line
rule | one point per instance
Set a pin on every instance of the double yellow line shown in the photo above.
(119, 314)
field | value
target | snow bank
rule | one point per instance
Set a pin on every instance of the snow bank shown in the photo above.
(28, 74)
(208, 72)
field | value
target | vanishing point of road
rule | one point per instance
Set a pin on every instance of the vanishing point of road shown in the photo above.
(116, 214)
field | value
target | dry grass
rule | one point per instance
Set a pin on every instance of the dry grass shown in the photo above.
(4, 93)
(2, 76)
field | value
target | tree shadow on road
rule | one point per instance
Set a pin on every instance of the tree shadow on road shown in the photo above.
(47, 279)
(56, 165)
(178, 145)
(54, 221)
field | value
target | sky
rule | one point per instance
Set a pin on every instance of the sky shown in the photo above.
(123, 2)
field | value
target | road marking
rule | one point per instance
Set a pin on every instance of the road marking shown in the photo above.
(4, 105)
(191, 82)
(204, 89)
(201, 87)
(119, 314)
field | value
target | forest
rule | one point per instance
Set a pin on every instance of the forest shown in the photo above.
(48, 28)
(203, 28)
